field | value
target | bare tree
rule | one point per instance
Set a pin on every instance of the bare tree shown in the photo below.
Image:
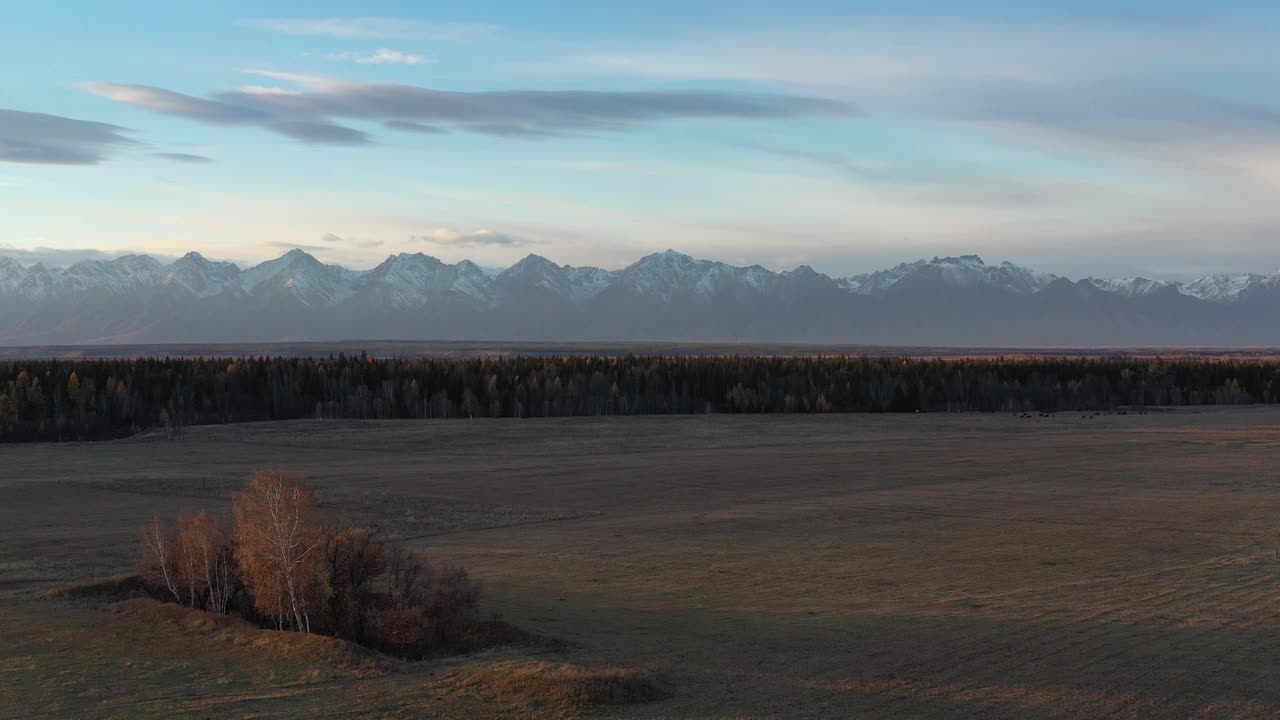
(159, 549)
(353, 558)
(206, 560)
(278, 540)
(407, 576)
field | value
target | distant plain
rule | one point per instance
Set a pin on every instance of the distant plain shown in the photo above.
(886, 566)
(481, 348)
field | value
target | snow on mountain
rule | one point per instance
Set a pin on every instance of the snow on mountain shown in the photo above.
(965, 271)
(1131, 287)
(669, 274)
(418, 280)
(660, 275)
(202, 278)
(120, 276)
(36, 283)
(301, 276)
(586, 282)
(472, 281)
(573, 283)
(1226, 288)
(414, 280)
(666, 295)
(11, 273)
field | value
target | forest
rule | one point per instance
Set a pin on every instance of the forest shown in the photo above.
(108, 398)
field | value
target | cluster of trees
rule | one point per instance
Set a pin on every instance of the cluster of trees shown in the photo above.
(114, 397)
(282, 566)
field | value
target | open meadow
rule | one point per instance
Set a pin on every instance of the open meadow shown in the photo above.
(797, 566)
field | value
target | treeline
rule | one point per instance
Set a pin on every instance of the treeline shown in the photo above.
(59, 399)
(284, 566)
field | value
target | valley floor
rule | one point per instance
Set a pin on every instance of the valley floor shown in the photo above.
(885, 566)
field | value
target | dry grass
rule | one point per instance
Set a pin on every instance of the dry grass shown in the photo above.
(915, 567)
(561, 687)
(108, 589)
(338, 655)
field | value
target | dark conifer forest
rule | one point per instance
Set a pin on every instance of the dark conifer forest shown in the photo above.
(107, 398)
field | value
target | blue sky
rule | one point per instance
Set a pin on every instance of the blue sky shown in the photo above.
(1103, 138)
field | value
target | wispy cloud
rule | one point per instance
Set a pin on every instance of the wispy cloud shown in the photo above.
(319, 132)
(307, 115)
(183, 157)
(477, 238)
(219, 112)
(296, 246)
(373, 27)
(1105, 88)
(40, 139)
(382, 56)
(362, 244)
(413, 127)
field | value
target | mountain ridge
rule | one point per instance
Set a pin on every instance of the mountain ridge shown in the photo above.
(662, 296)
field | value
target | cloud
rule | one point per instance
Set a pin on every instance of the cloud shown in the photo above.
(40, 139)
(319, 133)
(477, 238)
(382, 56)
(260, 90)
(172, 103)
(220, 112)
(65, 257)
(308, 115)
(830, 160)
(373, 27)
(339, 240)
(296, 246)
(183, 157)
(407, 126)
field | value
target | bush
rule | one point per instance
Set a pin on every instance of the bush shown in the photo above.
(282, 569)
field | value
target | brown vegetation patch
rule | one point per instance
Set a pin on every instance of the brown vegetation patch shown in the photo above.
(345, 657)
(562, 687)
(106, 589)
(496, 632)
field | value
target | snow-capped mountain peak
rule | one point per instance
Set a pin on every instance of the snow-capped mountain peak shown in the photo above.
(575, 284)
(11, 273)
(199, 276)
(297, 293)
(301, 276)
(1131, 287)
(964, 272)
(1220, 287)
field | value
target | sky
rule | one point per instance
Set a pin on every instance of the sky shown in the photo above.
(1084, 138)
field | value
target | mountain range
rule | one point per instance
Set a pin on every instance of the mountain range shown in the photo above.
(664, 296)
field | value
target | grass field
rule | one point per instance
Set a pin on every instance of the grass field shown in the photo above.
(907, 566)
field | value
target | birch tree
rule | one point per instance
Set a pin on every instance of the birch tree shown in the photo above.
(159, 561)
(278, 546)
(206, 559)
